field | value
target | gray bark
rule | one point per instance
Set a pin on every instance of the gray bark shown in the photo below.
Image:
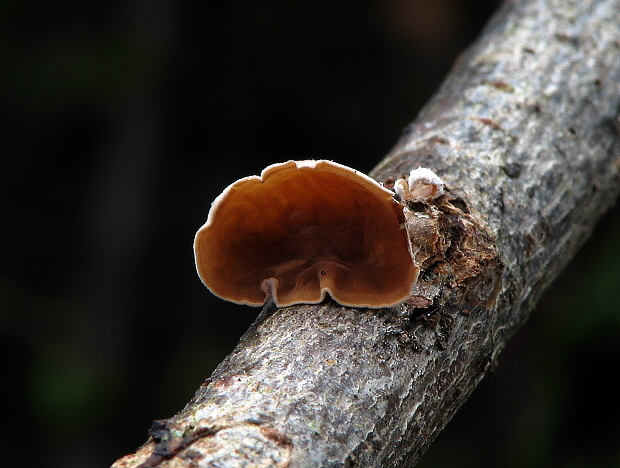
(525, 132)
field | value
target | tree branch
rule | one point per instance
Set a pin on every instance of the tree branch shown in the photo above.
(525, 132)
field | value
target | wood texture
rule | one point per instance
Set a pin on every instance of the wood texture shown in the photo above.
(525, 132)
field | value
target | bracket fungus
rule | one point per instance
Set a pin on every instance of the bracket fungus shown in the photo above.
(304, 229)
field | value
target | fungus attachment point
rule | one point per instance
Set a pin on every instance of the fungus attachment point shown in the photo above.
(301, 230)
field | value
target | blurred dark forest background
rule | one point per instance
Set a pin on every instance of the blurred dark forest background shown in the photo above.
(121, 121)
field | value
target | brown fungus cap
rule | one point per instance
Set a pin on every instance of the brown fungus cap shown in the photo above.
(303, 229)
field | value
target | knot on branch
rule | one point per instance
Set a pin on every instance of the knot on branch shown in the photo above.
(458, 258)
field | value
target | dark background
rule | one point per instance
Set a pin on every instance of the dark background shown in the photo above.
(121, 121)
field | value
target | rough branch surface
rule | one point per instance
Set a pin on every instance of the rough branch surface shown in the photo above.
(526, 132)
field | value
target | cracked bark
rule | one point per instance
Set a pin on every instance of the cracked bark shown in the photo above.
(525, 132)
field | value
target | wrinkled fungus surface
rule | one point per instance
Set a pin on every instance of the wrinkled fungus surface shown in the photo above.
(301, 230)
